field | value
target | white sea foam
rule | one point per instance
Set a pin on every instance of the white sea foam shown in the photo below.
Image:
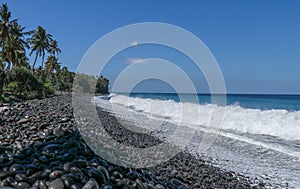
(279, 123)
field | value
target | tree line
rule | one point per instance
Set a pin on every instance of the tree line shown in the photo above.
(20, 79)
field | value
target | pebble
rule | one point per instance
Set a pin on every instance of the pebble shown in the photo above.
(56, 184)
(21, 121)
(58, 132)
(91, 184)
(42, 184)
(55, 174)
(98, 176)
(22, 185)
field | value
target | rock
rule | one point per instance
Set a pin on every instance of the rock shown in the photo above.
(43, 125)
(22, 121)
(56, 184)
(76, 186)
(67, 157)
(91, 184)
(68, 182)
(19, 145)
(55, 174)
(107, 187)
(98, 176)
(80, 163)
(3, 109)
(22, 185)
(11, 181)
(51, 147)
(159, 186)
(58, 132)
(132, 175)
(46, 173)
(104, 171)
(20, 177)
(75, 170)
(36, 176)
(65, 119)
(140, 184)
(67, 166)
(42, 184)
(43, 159)
(117, 175)
(176, 182)
(174, 172)
(16, 167)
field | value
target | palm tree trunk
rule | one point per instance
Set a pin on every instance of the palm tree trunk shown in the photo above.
(34, 61)
(43, 57)
(42, 71)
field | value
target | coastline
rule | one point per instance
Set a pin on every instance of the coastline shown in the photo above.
(41, 146)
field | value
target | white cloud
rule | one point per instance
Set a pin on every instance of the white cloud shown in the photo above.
(135, 61)
(134, 43)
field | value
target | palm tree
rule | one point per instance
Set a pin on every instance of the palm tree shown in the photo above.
(51, 65)
(54, 48)
(24, 62)
(18, 31)
(13, 52)
(38, 72)
(40, 43)
(2, 76)
(10, 35)
(63, 73)
(5, 24)
(14, 49)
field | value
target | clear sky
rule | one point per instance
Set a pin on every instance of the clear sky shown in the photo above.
(256, 43)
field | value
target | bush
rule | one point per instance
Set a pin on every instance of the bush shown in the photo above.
(32, 95)
(21, 82)
(12, 88)
(48, 89)
(5, 98)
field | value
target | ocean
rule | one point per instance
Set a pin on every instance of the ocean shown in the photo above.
(259, 135)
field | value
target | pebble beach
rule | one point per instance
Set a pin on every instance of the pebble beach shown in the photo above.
(41, 147)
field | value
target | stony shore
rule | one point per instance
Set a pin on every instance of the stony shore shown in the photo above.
(41, 147)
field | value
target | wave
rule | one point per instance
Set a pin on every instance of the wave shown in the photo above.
(279, 123)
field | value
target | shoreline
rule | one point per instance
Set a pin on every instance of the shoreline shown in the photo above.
(40, 146)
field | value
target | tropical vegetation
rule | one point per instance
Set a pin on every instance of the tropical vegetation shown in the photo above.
(22, 79)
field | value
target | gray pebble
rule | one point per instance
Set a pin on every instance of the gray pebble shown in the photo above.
(56, 184)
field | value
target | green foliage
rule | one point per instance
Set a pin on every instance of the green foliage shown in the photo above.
(12, 87)
(102, 85)
(84, 83)
(4, 98)
(48, 89)
(90, 84)
(21, 82)
(33, 95)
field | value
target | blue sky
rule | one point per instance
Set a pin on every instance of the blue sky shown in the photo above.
(256, 43)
